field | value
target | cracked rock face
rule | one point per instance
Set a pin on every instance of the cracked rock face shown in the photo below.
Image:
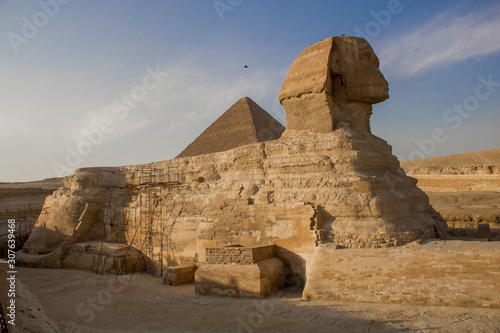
(331, 82)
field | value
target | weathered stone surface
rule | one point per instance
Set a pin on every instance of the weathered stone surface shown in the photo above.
(179, 275)
(484, 231)
(452, 273)
(79, 200)
(239, 255)
(333, 81)
(23, 202)
(253, 280)
(94, 256)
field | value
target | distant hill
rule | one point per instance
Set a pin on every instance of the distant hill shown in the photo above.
(45, 183)
(480, 162)
(467, 199)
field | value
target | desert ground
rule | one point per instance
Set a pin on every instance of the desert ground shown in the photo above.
(463, 188)
(79, 301)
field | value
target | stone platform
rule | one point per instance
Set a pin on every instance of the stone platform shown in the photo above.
(239, 271)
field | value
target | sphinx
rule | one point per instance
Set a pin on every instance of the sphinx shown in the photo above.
(326, 182)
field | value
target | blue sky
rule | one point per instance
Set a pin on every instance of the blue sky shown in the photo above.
(69, 65)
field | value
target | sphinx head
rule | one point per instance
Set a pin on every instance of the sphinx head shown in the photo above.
(331, 82)
(354, 72)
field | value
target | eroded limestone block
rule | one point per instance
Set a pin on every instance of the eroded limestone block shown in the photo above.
(254, 280)
(180, 275)
(57, 222)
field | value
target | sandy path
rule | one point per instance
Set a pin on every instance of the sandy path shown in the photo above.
(79, 301)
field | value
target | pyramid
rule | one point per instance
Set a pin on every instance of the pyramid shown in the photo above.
(244, 123)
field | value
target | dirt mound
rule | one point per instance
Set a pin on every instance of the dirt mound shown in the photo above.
(48, 182)
(480, 162)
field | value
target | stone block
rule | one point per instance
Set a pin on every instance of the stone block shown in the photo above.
(254, 280)
(238, 255)
(179, 275)
(484, 231)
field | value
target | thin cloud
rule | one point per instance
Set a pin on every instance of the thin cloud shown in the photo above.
(447, 38)
(193, 95)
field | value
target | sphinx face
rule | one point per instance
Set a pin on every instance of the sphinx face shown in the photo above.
(363, 81)
(332, 82)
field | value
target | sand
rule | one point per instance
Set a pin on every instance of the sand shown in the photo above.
(80, 301)
(484, 204)
(479, 158)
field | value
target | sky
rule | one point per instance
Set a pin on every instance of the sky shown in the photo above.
(121, 82)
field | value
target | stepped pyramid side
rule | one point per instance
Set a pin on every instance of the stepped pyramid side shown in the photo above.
(243, 123)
